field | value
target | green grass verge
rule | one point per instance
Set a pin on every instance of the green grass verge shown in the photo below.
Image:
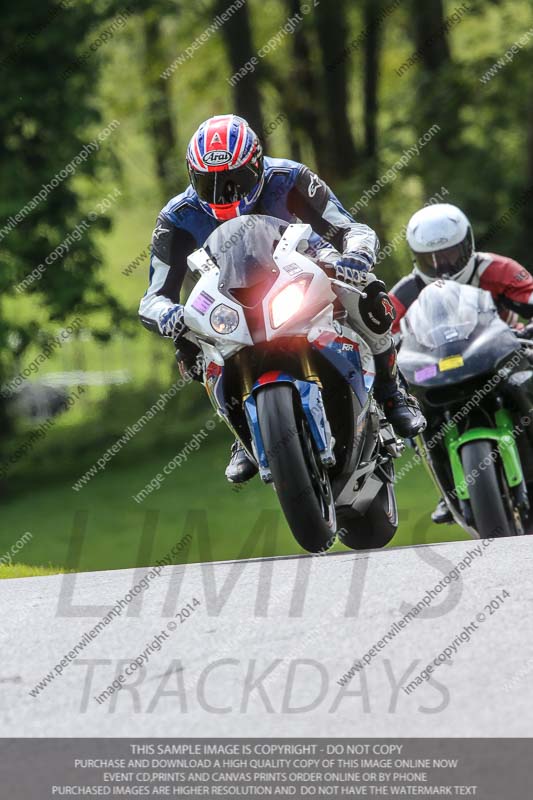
(105, 525)
(26, 571)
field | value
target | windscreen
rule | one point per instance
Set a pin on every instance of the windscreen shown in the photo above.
(446, 311)
(242, 248)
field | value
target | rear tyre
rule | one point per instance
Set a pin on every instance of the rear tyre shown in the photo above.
(491, 519)
(301, 480)
(375, 528)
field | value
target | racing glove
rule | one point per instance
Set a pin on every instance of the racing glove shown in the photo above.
(353, 268)
(526, 332)
(171, 322)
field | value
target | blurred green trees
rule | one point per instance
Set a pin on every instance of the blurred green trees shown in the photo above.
(48, 209)
(346, 87)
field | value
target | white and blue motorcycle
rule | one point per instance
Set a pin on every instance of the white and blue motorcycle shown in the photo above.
(292, 382)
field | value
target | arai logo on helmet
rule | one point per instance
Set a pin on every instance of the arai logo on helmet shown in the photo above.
(215, 158)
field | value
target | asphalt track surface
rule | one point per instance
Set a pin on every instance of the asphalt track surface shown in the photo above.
(263, 650)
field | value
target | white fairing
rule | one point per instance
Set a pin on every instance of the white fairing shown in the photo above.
(198, 311)
(314, 317)
(306, 309)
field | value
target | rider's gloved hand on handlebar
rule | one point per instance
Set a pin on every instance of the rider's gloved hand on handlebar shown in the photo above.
(526, 332)
(353, 268)
(171, 322)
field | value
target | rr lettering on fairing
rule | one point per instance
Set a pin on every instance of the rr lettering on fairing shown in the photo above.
(344, 354)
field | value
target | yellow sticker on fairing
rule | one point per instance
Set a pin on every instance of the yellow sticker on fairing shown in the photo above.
(451, 362)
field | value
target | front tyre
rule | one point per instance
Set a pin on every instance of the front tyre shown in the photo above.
(486, 488)
(301, 480)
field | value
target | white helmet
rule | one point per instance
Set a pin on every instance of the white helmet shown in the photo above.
(442, 242)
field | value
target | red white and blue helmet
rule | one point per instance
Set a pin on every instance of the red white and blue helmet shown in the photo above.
(225, 163)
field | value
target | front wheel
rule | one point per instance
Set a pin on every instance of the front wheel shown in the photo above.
(486, 488)
(301, 480)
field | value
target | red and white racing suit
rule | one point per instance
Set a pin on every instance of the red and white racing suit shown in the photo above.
(509, 283)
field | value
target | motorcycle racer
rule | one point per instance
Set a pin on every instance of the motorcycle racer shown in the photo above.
(230, 177)
(442, 243)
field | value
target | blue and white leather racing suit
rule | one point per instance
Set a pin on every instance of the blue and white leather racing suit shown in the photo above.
(291, 192)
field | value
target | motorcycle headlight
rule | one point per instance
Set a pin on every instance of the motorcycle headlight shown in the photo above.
(287, 302)
(224, 319)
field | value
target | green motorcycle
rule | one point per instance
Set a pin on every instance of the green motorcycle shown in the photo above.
(473, 377)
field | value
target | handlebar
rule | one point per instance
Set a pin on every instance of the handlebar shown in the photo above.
(346, 287)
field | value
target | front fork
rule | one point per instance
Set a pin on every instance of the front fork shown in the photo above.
(504, 436)
(242, 361)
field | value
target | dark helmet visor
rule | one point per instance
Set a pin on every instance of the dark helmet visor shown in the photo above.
(447, 262)
(226, 186)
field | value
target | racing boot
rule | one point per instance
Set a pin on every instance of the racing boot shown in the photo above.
(400, 408)
(240, 468)
(442, 514)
